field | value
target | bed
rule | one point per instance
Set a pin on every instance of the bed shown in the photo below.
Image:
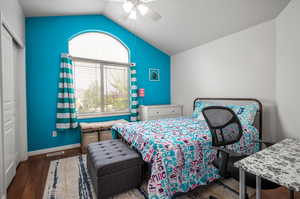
(179, 149)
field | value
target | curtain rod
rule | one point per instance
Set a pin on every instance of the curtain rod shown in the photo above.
(103, 61)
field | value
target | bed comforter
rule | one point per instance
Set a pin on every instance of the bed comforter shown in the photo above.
(179, 151)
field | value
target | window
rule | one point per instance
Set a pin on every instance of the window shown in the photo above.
(101, 74)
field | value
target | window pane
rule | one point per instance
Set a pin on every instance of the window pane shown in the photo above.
(88, 87)
(100, 88)
(98, 46)
(116, 89)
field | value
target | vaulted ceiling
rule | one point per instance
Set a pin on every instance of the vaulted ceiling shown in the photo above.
(185, 23)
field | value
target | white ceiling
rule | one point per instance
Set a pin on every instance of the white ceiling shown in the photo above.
(185, 23)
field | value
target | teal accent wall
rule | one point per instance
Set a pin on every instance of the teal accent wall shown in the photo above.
(46, 39)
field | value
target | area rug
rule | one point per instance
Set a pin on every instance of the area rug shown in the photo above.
(68, 179)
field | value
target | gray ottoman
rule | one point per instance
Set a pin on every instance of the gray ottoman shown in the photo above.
(113, 167)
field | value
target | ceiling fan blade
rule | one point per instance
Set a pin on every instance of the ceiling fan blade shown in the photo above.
(153, 15)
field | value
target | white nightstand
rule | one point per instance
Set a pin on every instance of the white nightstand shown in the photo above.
(155, 112)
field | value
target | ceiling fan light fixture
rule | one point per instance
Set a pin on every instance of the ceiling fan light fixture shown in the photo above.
(132, 14)
(143, 9)
(127, 6)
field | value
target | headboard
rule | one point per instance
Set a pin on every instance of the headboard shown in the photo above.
(238, 101)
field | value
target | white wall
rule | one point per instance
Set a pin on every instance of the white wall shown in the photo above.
(288, 69)
(239, 65)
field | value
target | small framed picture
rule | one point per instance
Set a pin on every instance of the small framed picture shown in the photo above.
(154, 74)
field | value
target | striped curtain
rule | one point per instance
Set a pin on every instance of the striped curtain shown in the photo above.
(134, 93)
(66, 117)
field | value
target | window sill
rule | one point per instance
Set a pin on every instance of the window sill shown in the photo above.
(100, 115)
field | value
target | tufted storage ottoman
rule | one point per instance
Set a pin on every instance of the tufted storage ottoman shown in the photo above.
(113, 167)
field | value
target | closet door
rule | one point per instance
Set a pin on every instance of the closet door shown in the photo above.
(8, 106)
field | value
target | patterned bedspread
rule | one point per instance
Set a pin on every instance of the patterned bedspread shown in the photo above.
(179, 150)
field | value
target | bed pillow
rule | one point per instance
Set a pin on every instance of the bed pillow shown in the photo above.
(245, 113)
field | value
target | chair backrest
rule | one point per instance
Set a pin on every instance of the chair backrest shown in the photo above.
(224, 125)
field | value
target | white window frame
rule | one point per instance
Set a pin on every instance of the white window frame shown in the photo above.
(102, 63)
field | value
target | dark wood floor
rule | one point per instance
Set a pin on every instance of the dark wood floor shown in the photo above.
(31, 177)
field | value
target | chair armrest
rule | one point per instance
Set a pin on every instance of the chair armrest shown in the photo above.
(265, 143)
(229, 152)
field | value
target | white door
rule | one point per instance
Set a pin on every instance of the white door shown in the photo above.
(8, 106)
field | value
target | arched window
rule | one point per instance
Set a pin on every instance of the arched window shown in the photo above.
(100, 46)
(101, 74)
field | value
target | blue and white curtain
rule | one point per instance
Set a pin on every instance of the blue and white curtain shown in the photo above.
(133, 93)
(66, 117)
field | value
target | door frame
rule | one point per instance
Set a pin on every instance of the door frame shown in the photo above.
(21, 46)
(11, 32)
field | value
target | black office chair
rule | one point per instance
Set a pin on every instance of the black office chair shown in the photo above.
(226, 129)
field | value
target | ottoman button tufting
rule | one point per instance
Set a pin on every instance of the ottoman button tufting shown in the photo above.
(119, 162)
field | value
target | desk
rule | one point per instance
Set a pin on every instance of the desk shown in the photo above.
(279, 163)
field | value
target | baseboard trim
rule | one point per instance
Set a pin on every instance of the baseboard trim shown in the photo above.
(54, 149)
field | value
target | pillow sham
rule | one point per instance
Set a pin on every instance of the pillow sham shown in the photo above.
(245, 113)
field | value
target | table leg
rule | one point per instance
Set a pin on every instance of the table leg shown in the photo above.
(258, 187)
(242, 184)
(291, 194)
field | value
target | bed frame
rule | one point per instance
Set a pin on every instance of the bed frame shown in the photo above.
(258, 123)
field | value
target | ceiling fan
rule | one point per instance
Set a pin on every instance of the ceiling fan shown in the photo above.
(138, 7)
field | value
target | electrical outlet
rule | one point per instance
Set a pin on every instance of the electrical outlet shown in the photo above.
(54, 133)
